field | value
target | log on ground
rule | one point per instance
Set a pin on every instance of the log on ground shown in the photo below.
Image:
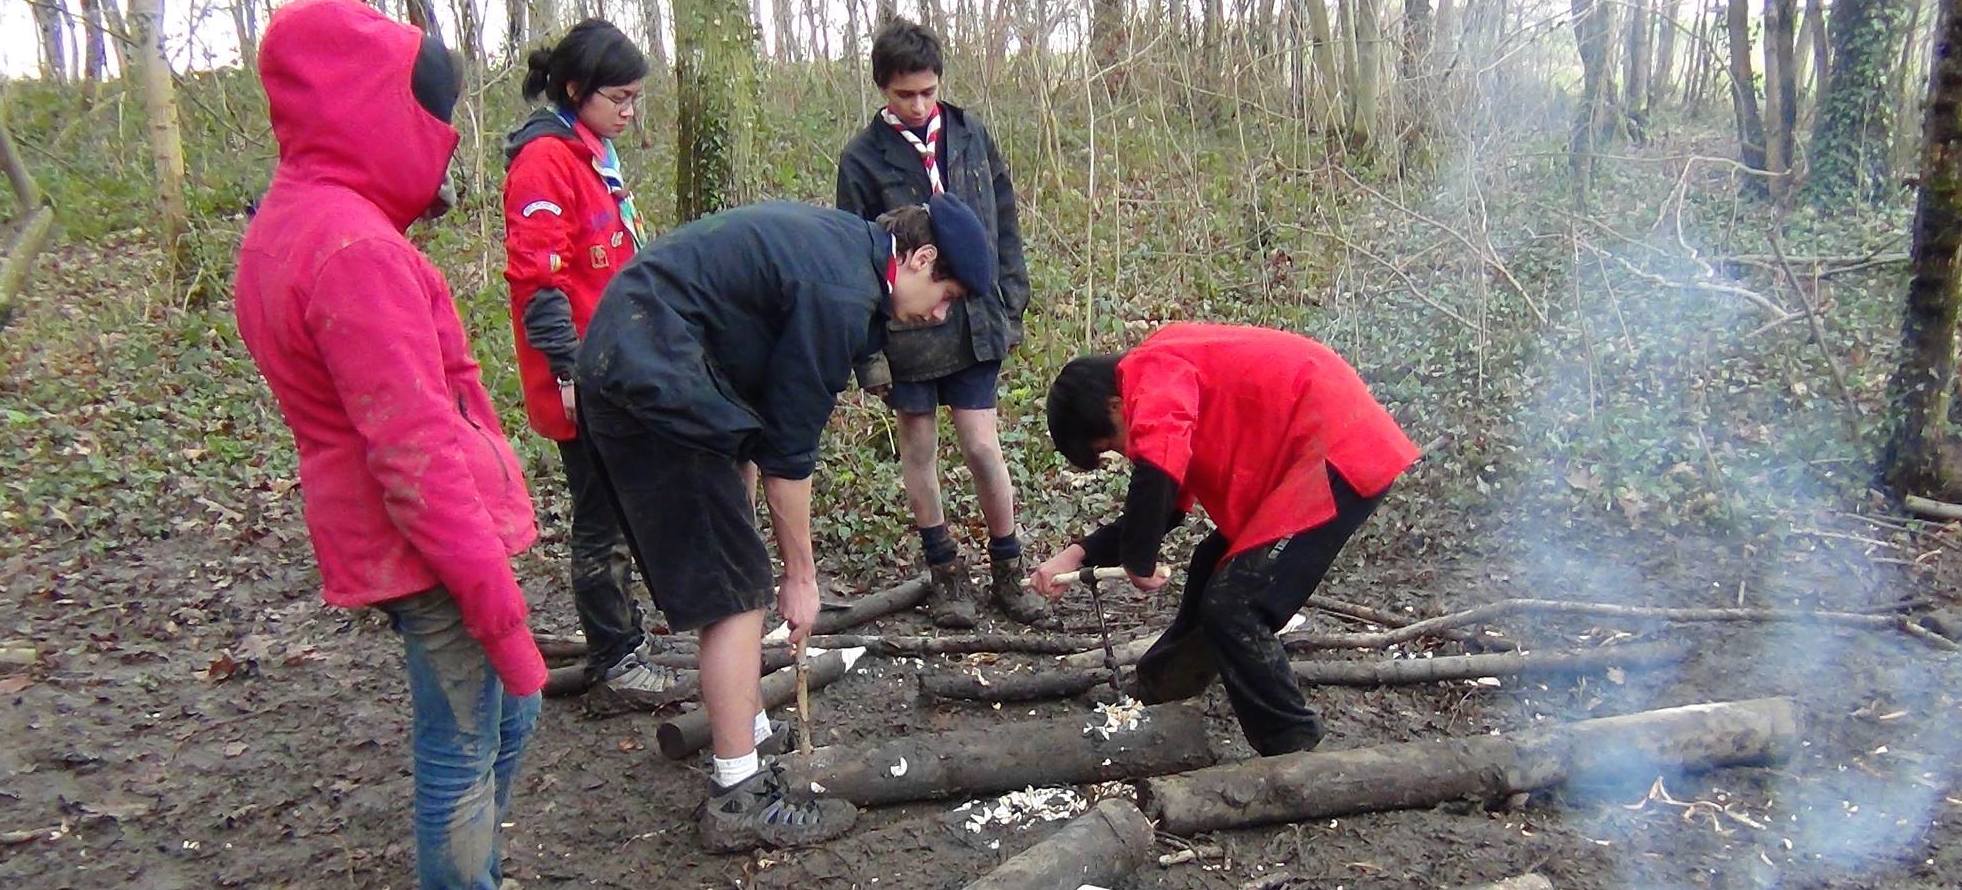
(1097, 848)
(1300, 787)
(1528, 881)
(1064, 751)
(1011, 685)
(684, 735)
(1403, 671)
(872, 607)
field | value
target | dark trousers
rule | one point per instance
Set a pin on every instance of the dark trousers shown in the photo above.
(607, 611)
(1227, 619)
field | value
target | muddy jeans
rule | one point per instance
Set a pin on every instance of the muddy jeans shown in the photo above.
(468, 738)
(1227, 620)
(607, 610)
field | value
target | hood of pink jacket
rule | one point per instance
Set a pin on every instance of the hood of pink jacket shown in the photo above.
(337, 78)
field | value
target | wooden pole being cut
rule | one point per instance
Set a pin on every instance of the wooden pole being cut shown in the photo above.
(1063, 751)
(1097, 848)
(1300, 787)
(1406, 671)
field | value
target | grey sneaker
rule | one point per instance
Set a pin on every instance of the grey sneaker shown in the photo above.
(635, 682)
(950, 604)
(760, 812)
(1021, 603)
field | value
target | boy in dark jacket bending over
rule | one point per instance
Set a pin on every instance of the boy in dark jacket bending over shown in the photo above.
(1278, 438)
(724, 342)
(915, 147)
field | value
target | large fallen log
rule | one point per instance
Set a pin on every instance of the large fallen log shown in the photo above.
(1405, 671)
(1300, 787)
(1012, 685)
(682, 736)
(1031, 685)
(1064, 751)
(1097, 848)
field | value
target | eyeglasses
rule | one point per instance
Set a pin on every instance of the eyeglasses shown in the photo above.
(622, 100)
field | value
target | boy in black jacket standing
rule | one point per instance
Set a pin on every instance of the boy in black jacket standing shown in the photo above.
(727, 342)
(914, 148)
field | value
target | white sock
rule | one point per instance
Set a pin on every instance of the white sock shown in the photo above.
(730, 772)
(762, 727)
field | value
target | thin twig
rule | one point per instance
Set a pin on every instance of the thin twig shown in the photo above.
(1819, 337)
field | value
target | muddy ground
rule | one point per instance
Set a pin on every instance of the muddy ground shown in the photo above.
(193, 718)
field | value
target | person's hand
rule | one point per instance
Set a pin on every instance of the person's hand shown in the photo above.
(569, 400)
(1152, 583)
(1042, 579)
(797, 602)
(882, 392)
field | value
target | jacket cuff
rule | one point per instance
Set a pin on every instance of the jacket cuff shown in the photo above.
(515, 658)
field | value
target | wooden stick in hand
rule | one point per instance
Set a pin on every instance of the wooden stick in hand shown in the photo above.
(1089, 575)
(803, 703)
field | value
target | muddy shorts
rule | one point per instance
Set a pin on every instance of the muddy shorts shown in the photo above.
(969, 389)
(689, 520)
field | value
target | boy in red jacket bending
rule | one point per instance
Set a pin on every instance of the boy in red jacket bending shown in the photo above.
(414, 500)
(1279, 440)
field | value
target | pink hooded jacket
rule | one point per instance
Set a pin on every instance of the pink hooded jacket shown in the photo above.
(408, 480)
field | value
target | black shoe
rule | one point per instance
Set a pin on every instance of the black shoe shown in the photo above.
(759, 812)
(950, 604)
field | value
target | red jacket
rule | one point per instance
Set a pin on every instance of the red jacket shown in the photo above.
(1247, 421)
(407, 479)
(562, 229)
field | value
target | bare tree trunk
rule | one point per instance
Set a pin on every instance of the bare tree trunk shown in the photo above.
(1635, 71)
(887, 11)
(783, 44)
(1444, 35)
(1744, 93)
(470, 40)
(931, 16)
(166, 146)
(1780, 93)
(515, 29)
(245, 19)
(95, 56)
(119, 36)
(1320, 48)
(1416, 47)
(818, 45)
(32, 228)
(715, 79)
(54, 55)
(1907, 84)
(1810, 39)
(1215, 25)
(1665, 52)
(1591, 34)
(1366, 111)
(542, 24)
(1107, 36)
(1852, 139)
(1920, 457)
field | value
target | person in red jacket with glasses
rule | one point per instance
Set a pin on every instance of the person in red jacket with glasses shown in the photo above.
(414, 500)
(1280, 441)
(569, 225)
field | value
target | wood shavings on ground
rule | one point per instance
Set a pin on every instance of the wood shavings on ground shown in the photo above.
(1122, 715)
(1021, 809)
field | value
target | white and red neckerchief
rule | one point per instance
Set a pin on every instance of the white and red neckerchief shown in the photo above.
(892, 266)
(928, 149)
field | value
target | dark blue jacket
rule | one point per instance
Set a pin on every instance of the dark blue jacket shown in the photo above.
(878, 171)
(736, 332)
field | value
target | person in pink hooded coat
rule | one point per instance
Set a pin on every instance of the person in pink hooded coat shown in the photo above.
(414, 499)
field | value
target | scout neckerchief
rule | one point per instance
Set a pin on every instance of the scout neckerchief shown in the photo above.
(928, 148)
(606, 162)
